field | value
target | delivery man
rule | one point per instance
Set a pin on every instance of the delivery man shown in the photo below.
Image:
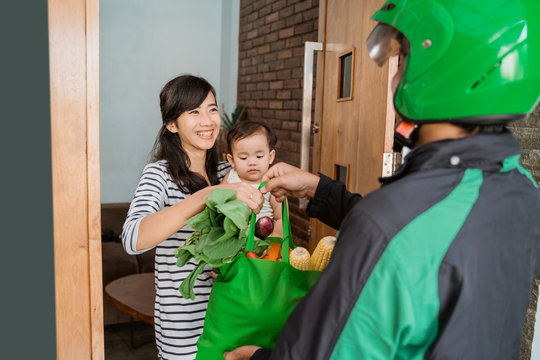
(439, 262)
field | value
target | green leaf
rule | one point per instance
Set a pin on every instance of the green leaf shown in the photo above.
(184, 254)
(210, 204)
(224, 247)
(201, 243)
(212, 215)
(215, 233)
(227, 121)
(237, 211)
(260, 245)
(221, 196)
(243, 233)
(186, 287)
(199, 221)
(236, 113)
(215, 263)
(229, 226)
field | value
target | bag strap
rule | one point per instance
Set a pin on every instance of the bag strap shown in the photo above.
(287, 235)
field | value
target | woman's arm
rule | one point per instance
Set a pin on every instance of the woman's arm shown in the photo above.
(159, 226)
(148, 223)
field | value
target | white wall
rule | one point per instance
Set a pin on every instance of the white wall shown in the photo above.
(143, 44)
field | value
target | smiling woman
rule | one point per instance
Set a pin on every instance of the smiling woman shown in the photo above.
(172, 189)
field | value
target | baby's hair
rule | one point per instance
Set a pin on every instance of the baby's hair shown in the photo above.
(243, 129)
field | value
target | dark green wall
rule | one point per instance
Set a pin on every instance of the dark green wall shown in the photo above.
(26, 234)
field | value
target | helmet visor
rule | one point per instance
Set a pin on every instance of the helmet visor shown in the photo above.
(384, 42)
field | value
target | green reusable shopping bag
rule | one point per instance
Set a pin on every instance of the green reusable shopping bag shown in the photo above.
(252, 298)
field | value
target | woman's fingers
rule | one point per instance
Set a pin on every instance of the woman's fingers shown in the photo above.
(252, 197)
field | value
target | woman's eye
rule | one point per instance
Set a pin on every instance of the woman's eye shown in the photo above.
(194, 112)
(213, 110)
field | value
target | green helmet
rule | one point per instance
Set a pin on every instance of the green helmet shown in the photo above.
(466, 61)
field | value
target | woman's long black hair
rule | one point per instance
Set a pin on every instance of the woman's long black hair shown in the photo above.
(181, 94)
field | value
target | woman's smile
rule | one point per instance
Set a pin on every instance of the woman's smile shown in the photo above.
(205, 134)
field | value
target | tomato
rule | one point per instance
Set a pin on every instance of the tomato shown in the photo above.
(251, 254)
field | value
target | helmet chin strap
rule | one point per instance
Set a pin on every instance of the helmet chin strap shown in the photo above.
(406, 134)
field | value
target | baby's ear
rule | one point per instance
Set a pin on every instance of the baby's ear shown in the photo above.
(271, 156)
(230, 159)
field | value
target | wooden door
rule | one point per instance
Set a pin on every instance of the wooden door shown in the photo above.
(353, 109)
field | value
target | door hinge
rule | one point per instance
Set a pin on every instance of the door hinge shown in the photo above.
(391, 161)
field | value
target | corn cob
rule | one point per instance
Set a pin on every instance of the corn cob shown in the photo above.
(322, 253)
(300, 258)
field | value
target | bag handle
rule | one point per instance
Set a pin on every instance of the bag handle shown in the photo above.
(287, 235)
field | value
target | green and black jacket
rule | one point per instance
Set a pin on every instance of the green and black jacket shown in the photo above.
(437, 264)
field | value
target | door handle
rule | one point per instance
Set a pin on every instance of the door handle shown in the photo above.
(307, 96)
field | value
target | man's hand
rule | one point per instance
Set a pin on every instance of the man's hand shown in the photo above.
(287, 179)
(241, 353)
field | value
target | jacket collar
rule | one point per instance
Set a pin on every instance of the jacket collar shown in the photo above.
(483, 151)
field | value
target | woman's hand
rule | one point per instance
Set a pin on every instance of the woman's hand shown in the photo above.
(241, 353)
(253, 198)
(287, 179)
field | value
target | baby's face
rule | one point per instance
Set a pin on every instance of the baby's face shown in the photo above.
(251, 157)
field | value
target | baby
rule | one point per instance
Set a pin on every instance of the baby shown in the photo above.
(250, 153)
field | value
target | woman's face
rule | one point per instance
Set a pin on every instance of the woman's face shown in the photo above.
(198, 128)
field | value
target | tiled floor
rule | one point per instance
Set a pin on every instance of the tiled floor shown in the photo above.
(118, 342)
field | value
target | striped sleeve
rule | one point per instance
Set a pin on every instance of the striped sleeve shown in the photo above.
(149, 198)
(223, 168)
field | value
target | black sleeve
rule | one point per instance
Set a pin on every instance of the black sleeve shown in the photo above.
(261, 354)
(331, 202)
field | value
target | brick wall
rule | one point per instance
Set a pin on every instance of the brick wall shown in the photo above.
(527, 132)
(270, 76)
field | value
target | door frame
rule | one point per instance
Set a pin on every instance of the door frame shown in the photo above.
(74, 96)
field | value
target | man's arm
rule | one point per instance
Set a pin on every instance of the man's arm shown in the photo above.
(330, 199)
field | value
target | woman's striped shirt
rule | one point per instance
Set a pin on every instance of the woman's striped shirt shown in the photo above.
(178, 322)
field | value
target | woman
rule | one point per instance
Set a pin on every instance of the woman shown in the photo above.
(173, 188)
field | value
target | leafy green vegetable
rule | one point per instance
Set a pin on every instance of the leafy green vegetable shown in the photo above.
(220, 235)
(186, 288)
(237, 211)
(221, 196)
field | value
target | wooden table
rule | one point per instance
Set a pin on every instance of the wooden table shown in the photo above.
(135, 295)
